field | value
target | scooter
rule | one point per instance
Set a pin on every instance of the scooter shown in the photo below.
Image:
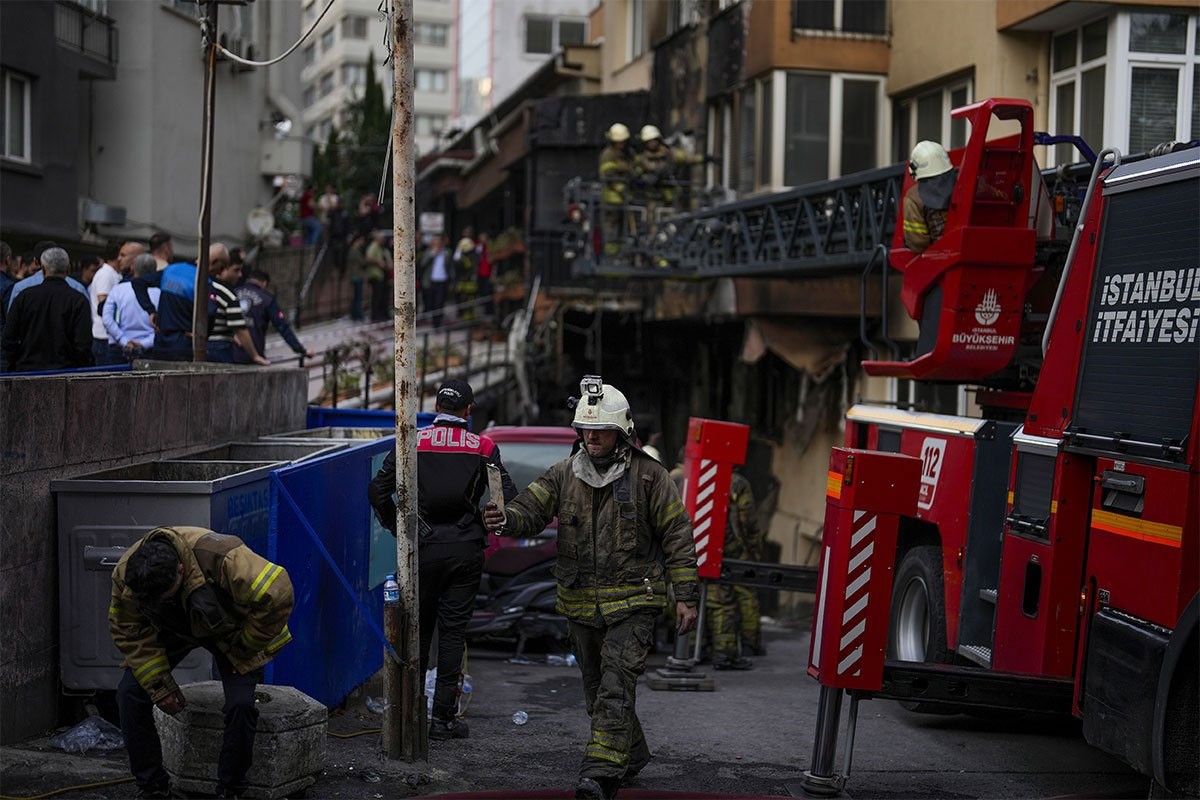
(515, 601)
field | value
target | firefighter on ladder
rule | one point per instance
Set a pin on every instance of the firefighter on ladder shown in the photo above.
(616, 170)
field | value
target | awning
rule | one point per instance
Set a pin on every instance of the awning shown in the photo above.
(815, 347)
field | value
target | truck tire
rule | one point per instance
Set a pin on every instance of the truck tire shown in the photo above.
(918, 622)
(1183, 725)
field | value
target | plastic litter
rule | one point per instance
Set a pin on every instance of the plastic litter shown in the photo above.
(94, 733)
(520, 718)
(376, 705)
(430, 683)
(554, 660)
(370, 776)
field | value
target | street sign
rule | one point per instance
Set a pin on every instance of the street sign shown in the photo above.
(432, 222)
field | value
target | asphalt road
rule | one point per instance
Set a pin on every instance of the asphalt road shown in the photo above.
(750, 737)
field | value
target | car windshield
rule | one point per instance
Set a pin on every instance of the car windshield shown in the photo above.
(526, 461)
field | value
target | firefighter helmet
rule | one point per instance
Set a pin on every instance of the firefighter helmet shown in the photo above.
(602, 407)
(618, 133)
(928, 160)
(650, 133)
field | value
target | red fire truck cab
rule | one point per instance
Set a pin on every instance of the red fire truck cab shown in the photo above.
(1054, 548)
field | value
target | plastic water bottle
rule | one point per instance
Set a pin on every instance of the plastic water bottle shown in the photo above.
(391, 591)
(520, 718)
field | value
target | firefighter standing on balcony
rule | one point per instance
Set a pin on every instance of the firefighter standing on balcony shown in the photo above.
(622, 534)
(655, 168)
(616, 170)
(927, 201)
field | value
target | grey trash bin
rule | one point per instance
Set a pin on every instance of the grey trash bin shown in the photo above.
(285, 451)
(101, 514)
(349, 436)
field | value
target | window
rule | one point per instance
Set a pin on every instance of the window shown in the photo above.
(431, 80)
(326, 83)
(539, 35)
(353, 28)
(635, 34)
(326, 40)
(1078, 71)
(430, 33)
(806, 132)
(1126, 80)
(98, 7)
(430, 124)
(354, 74)
(681, 14)
(310, 55)
(845, 16)
(15, 102)
(746, 120)
(310, 96)
(545, 35)
(860, 121)
(927, 116)
(765, 102)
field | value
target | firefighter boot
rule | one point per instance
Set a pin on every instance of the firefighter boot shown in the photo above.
(597, 788)
(730, 661)
(442, 729)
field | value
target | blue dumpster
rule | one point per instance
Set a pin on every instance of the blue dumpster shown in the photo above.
(322, 417)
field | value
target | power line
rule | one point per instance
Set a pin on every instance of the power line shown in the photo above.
(235, 57)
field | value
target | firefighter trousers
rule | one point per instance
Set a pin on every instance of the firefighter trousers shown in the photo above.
(750, 616)
(733, 611)
(237, 744)
(612, 657)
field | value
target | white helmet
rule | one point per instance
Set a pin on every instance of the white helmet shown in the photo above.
(602, 407)
(650, 133)
(928, 160)
(618, 133)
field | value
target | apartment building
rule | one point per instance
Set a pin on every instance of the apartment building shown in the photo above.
(111, 147)
(501, 43)
(334, 63)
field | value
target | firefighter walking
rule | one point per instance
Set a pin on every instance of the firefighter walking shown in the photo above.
(623, 533)
(173, 591)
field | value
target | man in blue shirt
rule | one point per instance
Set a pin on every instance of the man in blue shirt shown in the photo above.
(129, 330)
(172, 318)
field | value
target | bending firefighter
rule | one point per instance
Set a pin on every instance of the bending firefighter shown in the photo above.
(622, 535)
(182, 588)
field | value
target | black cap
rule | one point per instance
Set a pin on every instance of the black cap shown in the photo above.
(455, 395)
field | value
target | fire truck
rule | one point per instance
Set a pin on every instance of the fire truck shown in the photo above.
(1042, 556)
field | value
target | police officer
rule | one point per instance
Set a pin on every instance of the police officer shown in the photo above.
(451, 478)
(927, 201)
(734, 610)
(616, 170)
(175, 590)
(623, 534)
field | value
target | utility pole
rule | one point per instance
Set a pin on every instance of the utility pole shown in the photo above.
(405, 730)
(200, 298)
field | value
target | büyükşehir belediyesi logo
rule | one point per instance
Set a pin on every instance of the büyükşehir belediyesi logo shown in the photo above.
(988, 310)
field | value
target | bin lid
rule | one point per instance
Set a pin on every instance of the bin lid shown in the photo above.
(169, 477)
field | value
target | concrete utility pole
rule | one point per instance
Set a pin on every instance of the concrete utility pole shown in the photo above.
(200, 302)
(405, 731)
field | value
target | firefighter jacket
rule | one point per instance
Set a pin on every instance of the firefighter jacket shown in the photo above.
(660, 171)
(743, 538)
(617, 545)
(925, 219)
(451, 479)
(616, 169)
(232, 600)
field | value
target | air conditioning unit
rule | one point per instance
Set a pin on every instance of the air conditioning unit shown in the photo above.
(92, 212)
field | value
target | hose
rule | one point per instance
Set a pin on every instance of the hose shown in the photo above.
(54, 792)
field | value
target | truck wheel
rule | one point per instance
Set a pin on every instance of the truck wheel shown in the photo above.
(918, 624)
(1182, 736)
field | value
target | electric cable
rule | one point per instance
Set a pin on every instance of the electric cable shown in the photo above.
(363, 732)
(235, 57)
(54, 792)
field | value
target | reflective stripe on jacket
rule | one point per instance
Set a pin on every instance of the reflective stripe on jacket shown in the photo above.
(616, 168)
(617, 545)
(232, 599)
(922, 225)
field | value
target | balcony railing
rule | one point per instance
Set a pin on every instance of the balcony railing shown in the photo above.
(81, 29)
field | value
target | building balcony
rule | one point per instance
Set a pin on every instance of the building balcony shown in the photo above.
(83, 31)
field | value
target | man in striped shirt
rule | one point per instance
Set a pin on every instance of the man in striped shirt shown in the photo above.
(226, 323)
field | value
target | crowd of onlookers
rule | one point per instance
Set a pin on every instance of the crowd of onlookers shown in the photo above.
(137, 301)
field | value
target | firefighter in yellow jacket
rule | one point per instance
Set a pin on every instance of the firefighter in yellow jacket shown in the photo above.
(616, 170)
(927, 201)
(173, 591)
(623, 534)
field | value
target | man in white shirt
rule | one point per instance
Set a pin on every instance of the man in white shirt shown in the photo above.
(128, 326)
(98, 290)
